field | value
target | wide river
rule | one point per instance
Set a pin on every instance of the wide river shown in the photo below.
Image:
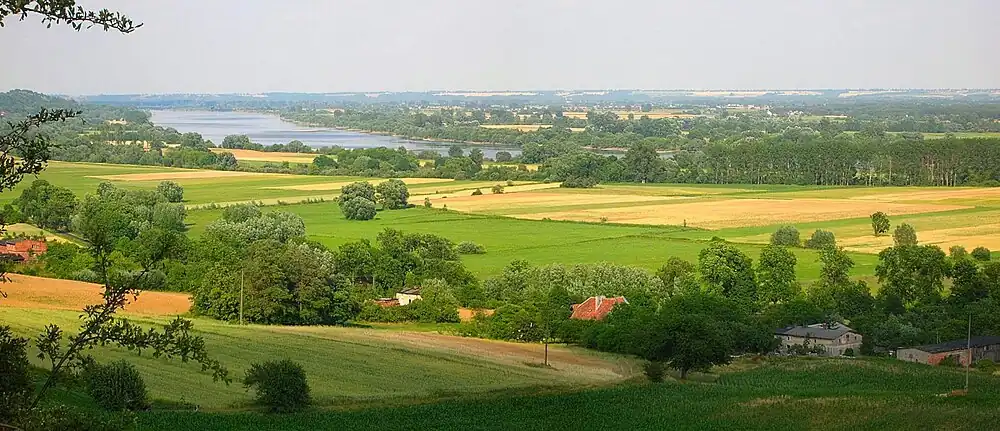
(270, 129)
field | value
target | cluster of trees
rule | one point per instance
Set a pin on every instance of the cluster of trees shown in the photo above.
(243, 142)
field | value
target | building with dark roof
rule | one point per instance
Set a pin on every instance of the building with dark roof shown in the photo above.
(409, 295)
(932, 354)
(836, 338)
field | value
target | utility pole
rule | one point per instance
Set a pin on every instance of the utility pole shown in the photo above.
(968, 355)
(241, 296)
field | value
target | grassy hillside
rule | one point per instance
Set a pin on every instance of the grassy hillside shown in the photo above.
(348, 365)
(824, 394)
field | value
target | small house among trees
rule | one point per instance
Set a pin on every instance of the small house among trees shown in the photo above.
(827, 339)
(933, 354)
(25, 250)
(596, 307)
(409, 295)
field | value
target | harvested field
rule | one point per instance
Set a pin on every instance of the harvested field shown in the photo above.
(182, 175)
(728, 213)
(27, 229)
(518, 127)
(938, 194)
(266, 156)
(338, 185)
(987, 235)
(25, 291)
(506, 201)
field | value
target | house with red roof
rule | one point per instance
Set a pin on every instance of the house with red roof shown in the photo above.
(596, 307)
(25, 250)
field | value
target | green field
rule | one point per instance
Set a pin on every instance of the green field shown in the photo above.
(349, 365)
(538, 242)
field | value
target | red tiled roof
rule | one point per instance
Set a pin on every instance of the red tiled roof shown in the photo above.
(27, 249)
(596, 307)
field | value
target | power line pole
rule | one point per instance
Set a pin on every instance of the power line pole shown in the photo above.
(968, 353)
(241, 297)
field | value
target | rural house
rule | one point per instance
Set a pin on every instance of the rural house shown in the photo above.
(596, 307)
(835, 338)
(409, 295)
(24, 250)
(933, 354)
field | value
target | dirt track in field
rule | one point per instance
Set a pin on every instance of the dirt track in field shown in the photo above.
(25, 291)
(506, 201)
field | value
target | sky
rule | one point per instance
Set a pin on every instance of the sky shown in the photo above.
(254, 46)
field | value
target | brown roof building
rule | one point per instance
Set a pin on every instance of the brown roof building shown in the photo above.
(596, 307)
(25, 250)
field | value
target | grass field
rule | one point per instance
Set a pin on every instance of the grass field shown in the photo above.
(349, 365)
(633, 224)
(822, 394)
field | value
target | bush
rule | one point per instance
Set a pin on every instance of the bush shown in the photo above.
(950, 361)
(787, 236)
(821, 239)
(981, 254)
(117, 386)
(469, 247)
(15, 382)
(171, 190)
(985, 365)
(498, 189)
(578, 183)
(427, 202)
(904, 235)
(654, 371)
(394, 194)
(880, 223)
(65, 418)
(358, 208)
(957, 252)
(280, 385)
(849, 352)
(510, 183)
(477, 192)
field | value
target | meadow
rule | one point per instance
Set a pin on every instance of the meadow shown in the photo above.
(817, 394)
(345, 365)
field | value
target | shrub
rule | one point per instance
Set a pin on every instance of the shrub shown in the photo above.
(394, 194)
(427, 202)
(654, 371)
(821, 239)
(578, 182)
(510, 183)
(171, 190)
(986, 365)
(358, 208)
(469, 247)
(65, 418)
(477, 192)
(498, 189)
(957, 252)
(15, 382)
(981, 254)
(950, 361)
(849, 352)
(117, 386)
(880, 223)
(280, 385)
(787, 236)
(904, 235)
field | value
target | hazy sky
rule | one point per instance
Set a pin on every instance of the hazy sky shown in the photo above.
(216, 46)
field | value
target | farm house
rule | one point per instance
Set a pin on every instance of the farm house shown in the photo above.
(836, 339)
(933, 354)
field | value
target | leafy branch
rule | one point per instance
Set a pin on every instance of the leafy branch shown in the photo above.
(67, 12)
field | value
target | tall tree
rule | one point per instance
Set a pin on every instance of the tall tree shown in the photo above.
(776, 275)
(880, 223)
(728, 271)
(904, 235)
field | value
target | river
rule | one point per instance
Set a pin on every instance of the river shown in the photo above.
(270, 129)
